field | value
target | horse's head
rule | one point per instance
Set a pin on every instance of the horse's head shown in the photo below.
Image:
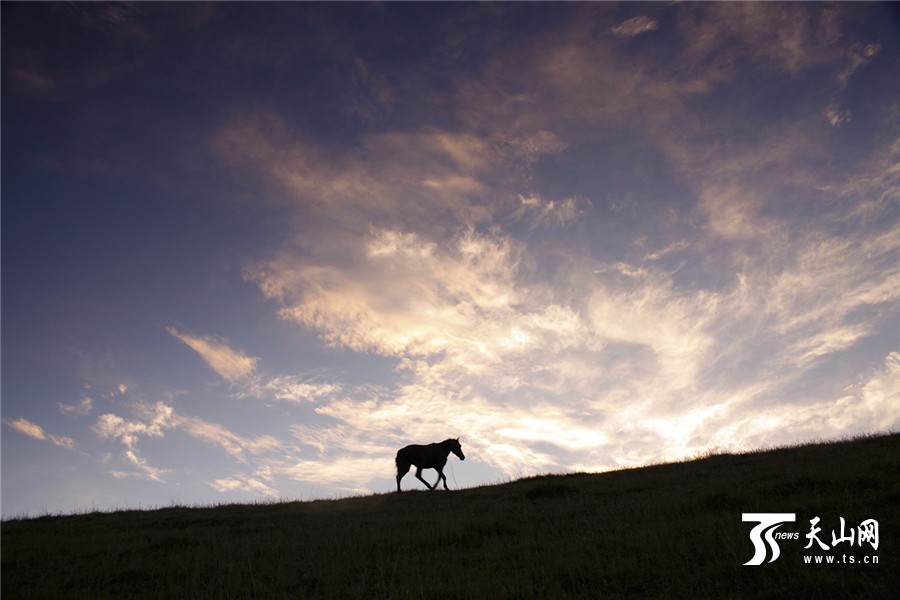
(456, 449)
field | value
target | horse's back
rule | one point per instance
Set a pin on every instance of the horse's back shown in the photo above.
(426, 456)
(410, 452)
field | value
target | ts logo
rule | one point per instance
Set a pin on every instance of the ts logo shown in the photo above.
(768, 523)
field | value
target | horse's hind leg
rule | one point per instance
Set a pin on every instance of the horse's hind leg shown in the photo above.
(420, 478)
(402, 469)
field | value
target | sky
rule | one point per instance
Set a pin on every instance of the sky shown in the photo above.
(249, 251)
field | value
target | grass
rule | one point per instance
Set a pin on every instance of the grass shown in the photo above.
(665, 531)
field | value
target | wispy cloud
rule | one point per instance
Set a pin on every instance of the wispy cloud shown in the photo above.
(35, 431)
(858, 55)
(635, 26)
(244, 483)
(159, 419)
(231, 365)
(296, 389)
(235, 445)
(30, 80)
(551, 212)
(83, 407)
(837, 116)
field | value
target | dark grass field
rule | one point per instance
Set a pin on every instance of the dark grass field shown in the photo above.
(666, 531)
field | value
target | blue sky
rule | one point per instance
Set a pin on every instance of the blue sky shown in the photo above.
(249, 251)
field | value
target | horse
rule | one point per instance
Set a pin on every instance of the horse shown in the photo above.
(432, 456)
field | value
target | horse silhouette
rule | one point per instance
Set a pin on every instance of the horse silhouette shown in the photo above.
(431, 456)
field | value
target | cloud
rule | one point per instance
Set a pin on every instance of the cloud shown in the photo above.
(871, 189)
(635, 26)
(467, 324)
(144, 470)
(869, 406)
(370, 97)
(551, 212)
(31, 81)
(408, 295)
(83, 407)
(351, 473)
(788, 37)
(35, 431)
(837, 117)
(122, 20)
(643, 308)
(649, 367)
(243, 483)
(370, 182)
(742, 277)
(384, 179)
(233, 444)
(154, 420)
(296, 389)
(879, 396)
(486, 256)
(230, 364)
(158, 419)
(530, 148)
(858, 55)
(30, 429)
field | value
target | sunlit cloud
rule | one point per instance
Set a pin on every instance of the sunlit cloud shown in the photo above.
(870, 406)
(153, 421)
(244, 483)
(26, 427)
(230, 364)
(296, 389)
(142, 468)
(409, 296)
(233, 444)
(156, 420)
(446, 172)
(35, 431)
(351, 473)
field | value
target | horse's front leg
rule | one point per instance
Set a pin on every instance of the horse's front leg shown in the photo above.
(420, 478)
(440, 477)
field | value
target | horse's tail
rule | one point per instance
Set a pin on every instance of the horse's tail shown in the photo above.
(402, 462)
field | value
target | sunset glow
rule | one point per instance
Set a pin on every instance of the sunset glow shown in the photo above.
(251, 250)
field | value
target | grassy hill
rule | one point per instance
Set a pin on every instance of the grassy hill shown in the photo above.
(667, 531)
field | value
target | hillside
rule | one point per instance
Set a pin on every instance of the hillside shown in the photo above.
(672, 530)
